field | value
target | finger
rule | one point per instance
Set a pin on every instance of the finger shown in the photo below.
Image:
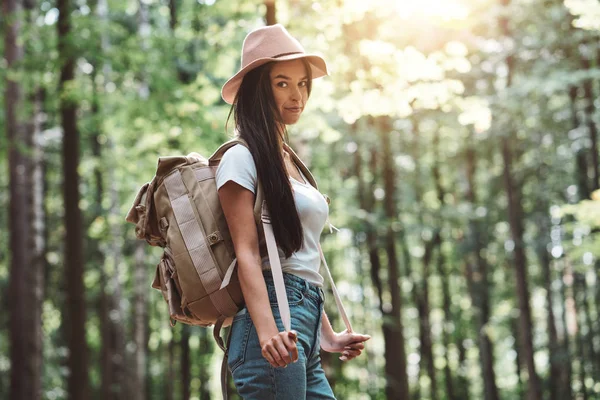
(278, 361)
(267, 355)
(360, 338)
(355, 346)
(283, 353)
(293, 349)
(293, 335)
(352, 353)
(274, 352)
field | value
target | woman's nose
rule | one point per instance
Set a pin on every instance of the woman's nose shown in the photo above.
(296, 95)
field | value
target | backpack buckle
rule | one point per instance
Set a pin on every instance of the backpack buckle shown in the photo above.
(264, 213)
(214, 237)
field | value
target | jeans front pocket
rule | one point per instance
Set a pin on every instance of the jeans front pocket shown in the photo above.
(240, 330)
(294, 295)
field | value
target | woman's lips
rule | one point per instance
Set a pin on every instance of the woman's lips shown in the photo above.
(296, 110)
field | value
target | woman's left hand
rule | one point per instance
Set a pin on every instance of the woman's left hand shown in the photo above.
(350, 344)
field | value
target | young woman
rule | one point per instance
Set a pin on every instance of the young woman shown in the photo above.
(268, 93)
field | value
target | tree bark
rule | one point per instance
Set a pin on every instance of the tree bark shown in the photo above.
(424, 311)
(580, 154)
(270, 14)
(597, 296)
(478, 283)
(204, 361)
(173, 14)
(515, 215)
(441, 193)
(394, 331)
(74, 263)
(395, 358)
(171, 376)
(589, 109)
(579, 286)
(515, 219)
(556, 391)
(140, 382)
(514, 324)
(185, 362)
(567, 372)
(37, 267)
(587, 321)
(140, 325)
(26, 265)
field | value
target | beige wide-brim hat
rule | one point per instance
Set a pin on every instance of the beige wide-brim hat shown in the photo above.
(263, 45)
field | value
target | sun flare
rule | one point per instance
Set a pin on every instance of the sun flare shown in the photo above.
(444, 9)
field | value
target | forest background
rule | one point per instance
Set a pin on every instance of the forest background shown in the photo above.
(457, 140)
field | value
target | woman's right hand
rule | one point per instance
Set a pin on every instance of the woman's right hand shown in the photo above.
(281, 350)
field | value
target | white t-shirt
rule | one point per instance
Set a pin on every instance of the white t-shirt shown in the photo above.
(238, 165)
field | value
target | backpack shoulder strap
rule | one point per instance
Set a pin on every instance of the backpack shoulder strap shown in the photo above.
(218, 154)
(336, 295)
(302, 166)
(216, 158)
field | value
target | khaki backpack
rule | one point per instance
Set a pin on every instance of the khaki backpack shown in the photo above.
(179, 210)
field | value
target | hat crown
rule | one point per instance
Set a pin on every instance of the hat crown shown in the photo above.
(269, 42)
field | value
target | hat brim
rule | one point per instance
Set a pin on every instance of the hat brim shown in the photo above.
(317, 65)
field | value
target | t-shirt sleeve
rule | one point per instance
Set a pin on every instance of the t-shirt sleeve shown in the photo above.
(237, 165)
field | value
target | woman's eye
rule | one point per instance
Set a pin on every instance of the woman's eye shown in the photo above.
(282, 84)
(302, 84)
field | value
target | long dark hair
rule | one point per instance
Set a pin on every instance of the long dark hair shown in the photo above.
(256, 121)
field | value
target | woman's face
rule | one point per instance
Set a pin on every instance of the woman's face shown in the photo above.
(289, 82)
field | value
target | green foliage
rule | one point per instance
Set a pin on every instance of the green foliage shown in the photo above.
(437, 71)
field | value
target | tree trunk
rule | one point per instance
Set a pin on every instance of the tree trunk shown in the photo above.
(36, 275)
(393, 330)
(444, 276)
(270, 14)
(185, 362)
(463, 377)
(437, 242)
(597, 296)
(204, 361)
(588, 93)
(140, 325)
(478, 283)
(106, 348)
(515, 219)
(26, 265)
(556, 391)
(173, 14)
(74, 263)
(449, 383)
(578, 287)
(424, 311)
(514, 324)
(395, 358)
(366, 203)
(144, 33)
(140, 383)
(37, 267)
(515, 215)
(589, 337)
(171, 373)
(583, 189)
(567, 372)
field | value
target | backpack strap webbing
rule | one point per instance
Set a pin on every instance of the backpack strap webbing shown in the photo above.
(194, 238)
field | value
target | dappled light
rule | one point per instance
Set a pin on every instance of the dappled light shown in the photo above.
(457, 142)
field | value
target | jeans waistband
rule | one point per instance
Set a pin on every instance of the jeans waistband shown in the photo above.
(295, 281)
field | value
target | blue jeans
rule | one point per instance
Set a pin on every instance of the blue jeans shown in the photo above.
(254, 377)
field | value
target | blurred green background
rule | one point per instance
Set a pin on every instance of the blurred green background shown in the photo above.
(457, 139)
